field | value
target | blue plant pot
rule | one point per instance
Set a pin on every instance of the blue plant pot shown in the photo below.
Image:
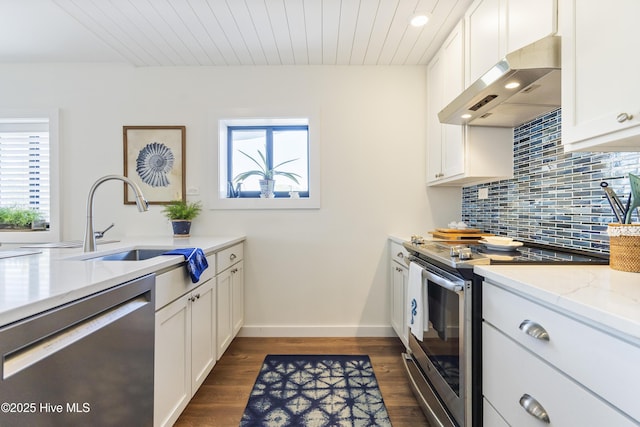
(181, 228)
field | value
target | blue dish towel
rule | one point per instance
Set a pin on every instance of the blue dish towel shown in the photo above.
(196, 261)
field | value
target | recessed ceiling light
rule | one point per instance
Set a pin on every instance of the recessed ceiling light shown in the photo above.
(512, 85)
(465, 116)
(419, 19)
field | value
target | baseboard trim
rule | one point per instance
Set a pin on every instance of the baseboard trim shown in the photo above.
(271, 331)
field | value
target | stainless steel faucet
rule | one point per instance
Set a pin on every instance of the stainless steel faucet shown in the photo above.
(141, 202)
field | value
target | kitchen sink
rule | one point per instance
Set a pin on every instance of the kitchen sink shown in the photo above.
(134, 254)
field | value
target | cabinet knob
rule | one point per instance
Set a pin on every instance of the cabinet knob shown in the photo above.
(534, 329)
(534, 408)
(400, 255)
(232, 257)
(623, 117)
(234, 271)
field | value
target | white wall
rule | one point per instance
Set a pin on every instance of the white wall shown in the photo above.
(308, 272)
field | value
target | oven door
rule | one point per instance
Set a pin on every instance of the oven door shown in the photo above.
(441, 353)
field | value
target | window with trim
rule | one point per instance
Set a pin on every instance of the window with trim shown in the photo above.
(248, 147)
(28, 193)
(258, 154)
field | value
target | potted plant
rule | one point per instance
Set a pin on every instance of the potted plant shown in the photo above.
(267, 174)
(180, 213)
(12, 218)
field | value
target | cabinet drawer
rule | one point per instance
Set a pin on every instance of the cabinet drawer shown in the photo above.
(601, 362)
(510, 372)
(399, 253)
(490, 416)
(229, 256)
(175, 283)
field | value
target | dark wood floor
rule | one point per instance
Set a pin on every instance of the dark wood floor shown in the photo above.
(222, 398)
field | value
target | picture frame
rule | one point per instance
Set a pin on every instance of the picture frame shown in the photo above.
(154, 158)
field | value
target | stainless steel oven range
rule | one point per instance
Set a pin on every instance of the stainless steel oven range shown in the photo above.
(444, 356)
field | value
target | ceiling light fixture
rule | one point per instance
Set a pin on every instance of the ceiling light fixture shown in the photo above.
(512, 85)
(465, 116)
(419, 19)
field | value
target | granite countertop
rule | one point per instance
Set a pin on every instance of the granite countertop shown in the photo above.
(599, 295)
(31, 284)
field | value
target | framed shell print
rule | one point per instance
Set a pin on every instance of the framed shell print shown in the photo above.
(154, 158)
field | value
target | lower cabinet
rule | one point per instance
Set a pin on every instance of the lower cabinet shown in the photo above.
(542, 367)
(230, 267)
(195, 323)
(399, 281)
(185, 350)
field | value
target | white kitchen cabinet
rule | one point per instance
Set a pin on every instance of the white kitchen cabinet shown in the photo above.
(172, 365)
(528, 346)
(230, 298)
(460, 155)
(185, 340)
(497, 27)
(237, 295)
(600, 90)
(399, 282)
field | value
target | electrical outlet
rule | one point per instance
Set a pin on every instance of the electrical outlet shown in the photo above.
(193, 191)
(483, 193)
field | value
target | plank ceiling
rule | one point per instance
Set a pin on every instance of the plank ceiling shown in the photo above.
(265, 32)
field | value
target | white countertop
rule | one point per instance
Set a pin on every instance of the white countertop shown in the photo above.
(598, 294)
(34, 283)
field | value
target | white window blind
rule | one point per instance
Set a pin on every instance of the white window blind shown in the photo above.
(25, 166)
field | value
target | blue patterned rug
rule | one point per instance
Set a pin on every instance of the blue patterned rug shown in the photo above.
(315, 391)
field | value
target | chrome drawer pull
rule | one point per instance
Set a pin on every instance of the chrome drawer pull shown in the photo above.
(535, 330)
(623, 117)
(400, 255)
(534, 408)
(232, 257)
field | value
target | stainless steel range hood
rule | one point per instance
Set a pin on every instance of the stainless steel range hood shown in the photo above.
(487, 102)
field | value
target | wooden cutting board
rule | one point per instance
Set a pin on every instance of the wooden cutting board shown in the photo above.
(458, 230)
(454, 234)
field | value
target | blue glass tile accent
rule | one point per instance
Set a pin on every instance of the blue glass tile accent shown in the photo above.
(554, 197)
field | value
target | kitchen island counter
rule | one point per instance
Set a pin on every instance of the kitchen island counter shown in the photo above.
(31, 284)
(599, 295)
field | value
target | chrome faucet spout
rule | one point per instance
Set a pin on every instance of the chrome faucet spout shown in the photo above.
(89, 235)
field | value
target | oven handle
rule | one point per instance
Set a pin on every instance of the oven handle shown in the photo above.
(447, 284)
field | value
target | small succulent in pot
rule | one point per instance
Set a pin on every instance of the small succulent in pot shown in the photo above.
(181, 213)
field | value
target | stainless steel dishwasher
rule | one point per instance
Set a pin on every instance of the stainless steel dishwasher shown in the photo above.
(89, 362)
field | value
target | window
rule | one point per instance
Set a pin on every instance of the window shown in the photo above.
(255, 149)
(28, 156)
(247, 147)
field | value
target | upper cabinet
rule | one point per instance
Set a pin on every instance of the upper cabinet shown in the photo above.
(600, 90)
(497, 27)
(460, 155)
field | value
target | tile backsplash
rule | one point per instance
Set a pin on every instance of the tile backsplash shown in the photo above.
(554, 197)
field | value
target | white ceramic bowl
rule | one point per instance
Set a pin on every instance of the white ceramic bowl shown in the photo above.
(498, 240)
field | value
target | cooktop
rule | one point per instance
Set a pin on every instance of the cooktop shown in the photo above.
(467, 254)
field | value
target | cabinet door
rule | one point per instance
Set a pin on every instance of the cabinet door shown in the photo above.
(484, 22)
(453, 150)
(224, 312)
(237, 295)
(203, 332)
(172, 365)
(529, 21)
(435, 86)
(599, 76)
(399, 283)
